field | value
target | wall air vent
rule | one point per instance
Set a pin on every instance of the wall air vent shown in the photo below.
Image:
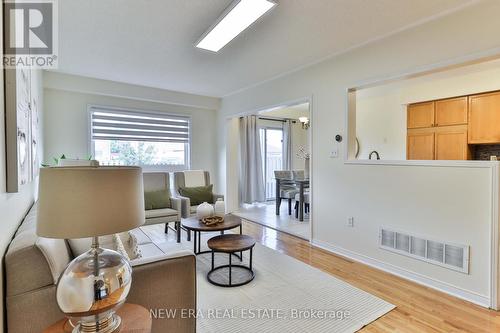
(452, 256)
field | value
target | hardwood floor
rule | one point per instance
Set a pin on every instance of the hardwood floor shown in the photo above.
(418, 308)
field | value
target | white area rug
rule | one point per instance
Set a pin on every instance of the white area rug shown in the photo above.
(285, 296)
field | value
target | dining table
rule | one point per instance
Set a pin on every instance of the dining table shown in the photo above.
(301, 183)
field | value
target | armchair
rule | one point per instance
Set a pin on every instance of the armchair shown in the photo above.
(191, 178)
(157, 181)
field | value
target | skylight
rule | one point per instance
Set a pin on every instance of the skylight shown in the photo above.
(240, 16)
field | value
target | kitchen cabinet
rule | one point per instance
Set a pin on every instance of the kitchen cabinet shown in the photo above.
(420, 144)
(451, 143)
(420, 115)
(437, 130)
(484, 118)
(452, 111)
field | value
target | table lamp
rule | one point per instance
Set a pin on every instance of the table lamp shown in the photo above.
(79, 202)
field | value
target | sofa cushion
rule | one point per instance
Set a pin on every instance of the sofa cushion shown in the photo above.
(161, 213)
(199, 194)
(157, 199)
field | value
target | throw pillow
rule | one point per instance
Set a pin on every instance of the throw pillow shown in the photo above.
(157, 199)
(199, 194)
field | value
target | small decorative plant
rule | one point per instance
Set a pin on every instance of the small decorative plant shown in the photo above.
(57, 159)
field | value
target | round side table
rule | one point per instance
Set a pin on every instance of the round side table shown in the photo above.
(230, 244)
(135, 319)
(197, 227)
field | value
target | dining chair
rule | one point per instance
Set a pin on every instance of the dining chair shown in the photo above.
(287, 191)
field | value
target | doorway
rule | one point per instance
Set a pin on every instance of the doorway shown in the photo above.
(285, 142)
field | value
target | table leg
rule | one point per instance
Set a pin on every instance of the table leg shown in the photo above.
(230, 255)
(251, 257)
(194, 242)
(213, 259)
(178, 230)
(278, 199)
(189, 235)
(301, 203)
(241, 232)
(199, 241)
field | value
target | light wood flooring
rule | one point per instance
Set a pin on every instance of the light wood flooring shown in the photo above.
(418, 308)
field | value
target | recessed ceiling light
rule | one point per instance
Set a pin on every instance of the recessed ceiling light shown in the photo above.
(239, 16)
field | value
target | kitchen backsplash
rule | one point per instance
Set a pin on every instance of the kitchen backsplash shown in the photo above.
(483, 152)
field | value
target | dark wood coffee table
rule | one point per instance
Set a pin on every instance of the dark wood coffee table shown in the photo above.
(194, 225)
(231, 244)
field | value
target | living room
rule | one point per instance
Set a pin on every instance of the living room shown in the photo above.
(407, 245)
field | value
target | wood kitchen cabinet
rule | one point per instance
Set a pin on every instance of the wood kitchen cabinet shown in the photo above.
(420, 115)
(452, 111)
(450, 143)
(437, 130)
(420, 144)
(484, 118)
(438, 143)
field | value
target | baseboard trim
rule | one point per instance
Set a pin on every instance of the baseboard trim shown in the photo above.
(472, 297)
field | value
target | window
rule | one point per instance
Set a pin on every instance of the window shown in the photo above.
(147, 139)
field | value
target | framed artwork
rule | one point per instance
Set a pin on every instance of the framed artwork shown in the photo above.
(22, 129)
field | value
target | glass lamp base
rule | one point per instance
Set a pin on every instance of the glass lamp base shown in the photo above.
(107, 325)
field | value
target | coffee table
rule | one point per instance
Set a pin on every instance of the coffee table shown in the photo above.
(230, 244)
(195, 225)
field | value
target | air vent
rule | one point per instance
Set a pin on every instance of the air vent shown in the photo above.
(452, 256)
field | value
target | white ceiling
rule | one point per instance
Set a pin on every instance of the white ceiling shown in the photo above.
(291, 112)
(151, 42)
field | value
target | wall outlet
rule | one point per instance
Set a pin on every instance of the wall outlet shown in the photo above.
(350, 222)
(334, 153)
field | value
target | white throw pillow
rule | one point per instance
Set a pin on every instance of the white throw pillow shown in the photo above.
(79, 246)
(124, 243)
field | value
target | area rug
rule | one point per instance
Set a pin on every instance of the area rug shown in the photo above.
(285, 296)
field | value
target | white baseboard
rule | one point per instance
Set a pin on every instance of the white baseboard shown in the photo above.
(406, 274)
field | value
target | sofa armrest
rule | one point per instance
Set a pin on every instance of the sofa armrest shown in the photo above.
(218, 196)
(165, 287)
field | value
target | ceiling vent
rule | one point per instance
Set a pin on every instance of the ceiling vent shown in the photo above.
(452, 256)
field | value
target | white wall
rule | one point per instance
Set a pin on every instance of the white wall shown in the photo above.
(381, 110)
(381, 126)
(67, 122)
(445, 203)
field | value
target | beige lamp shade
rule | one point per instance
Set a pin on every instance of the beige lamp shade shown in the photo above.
(77, 202)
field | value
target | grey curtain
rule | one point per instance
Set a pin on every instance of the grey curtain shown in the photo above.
(252, 188)
(287, 145)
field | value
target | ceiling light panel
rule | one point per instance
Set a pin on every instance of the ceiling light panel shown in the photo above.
(239, 17)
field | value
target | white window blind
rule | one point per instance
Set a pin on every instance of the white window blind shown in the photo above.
(115, 124)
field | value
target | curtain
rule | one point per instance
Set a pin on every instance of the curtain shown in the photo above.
(287, 145)
(252, 188)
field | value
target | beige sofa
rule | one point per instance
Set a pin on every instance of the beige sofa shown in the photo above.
(33, 265)
(157, 181)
